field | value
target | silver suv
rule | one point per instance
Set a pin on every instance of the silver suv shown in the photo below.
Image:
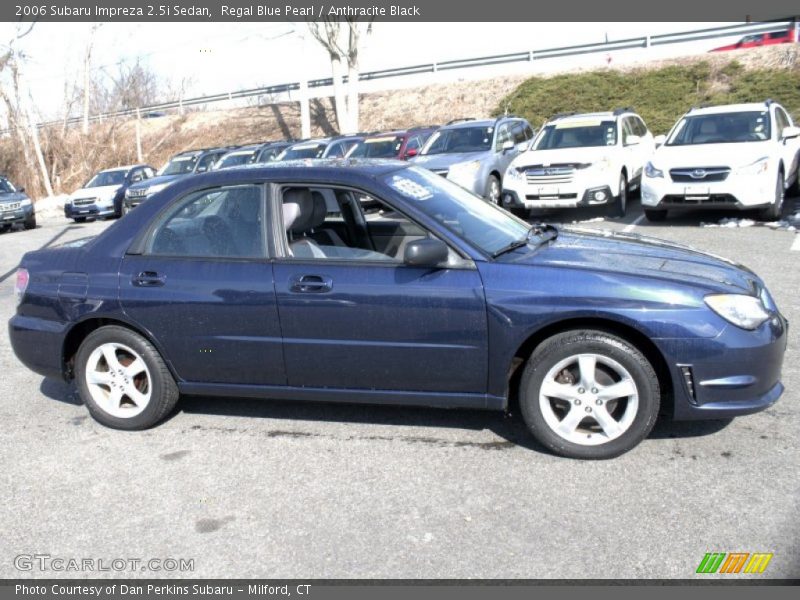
(476, 153)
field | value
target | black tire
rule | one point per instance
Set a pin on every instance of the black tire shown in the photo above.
(655, 215)
(522, 213)
(619, 204)
(494, 190)
(5, 228)
(79, 219)
(563, 347)
(773, 211)
(794, 189)
(162, 387)
(30, 223)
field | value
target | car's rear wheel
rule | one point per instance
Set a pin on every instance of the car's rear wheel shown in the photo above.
(655, 215)
(493, 189)
(774, 210)
(123, 380)
(589, 394)
(620, 202)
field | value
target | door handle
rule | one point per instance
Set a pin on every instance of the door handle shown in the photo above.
(310, 284)
(148, 279)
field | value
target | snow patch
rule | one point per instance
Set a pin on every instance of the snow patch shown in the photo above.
(50, 208)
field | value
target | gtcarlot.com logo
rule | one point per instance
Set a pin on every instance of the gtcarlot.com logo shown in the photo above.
(730, 563)
(61, 564)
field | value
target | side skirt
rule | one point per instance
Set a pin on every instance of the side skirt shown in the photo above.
(345, 396)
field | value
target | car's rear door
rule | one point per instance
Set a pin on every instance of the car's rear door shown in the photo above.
(353, 316)
(202, 286)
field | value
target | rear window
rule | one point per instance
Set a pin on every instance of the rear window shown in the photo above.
(382, 147)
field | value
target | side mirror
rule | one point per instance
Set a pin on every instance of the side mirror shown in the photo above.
(633, 140)
(21, 190)
(508, 145)
(659, 140)
(790, 132)
(425, 253)
(411, 152)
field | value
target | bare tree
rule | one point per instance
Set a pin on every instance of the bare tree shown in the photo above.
(87, 88)
(341, 39)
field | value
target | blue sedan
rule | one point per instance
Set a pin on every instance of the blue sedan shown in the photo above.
(381, 282)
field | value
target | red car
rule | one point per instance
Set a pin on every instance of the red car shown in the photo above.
(786, 36)
(401, 144)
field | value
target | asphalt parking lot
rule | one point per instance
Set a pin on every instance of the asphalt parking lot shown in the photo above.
(275, 489)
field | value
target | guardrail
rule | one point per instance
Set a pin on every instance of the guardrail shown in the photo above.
(468, 63)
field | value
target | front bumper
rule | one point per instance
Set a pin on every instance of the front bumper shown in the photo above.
(589, 197)
(586, 187)
(72, 211)
(16, 215)
(736, 373)
(742, 192)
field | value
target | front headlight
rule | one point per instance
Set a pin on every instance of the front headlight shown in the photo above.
(466, 168)
(650, 170)
(156, 188)
(757, 167)
(25, 202)
(513, 174)
(747, 312)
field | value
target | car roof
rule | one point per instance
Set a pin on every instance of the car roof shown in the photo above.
(299, 168)
(242, 150)
(471, 123)
(728, 108)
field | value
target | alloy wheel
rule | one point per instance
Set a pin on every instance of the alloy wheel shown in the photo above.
(118, 380)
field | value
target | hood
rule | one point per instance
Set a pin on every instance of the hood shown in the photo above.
(561, 156)
(639, 256)
(101, 191)
(12, 196)
(710, 155)
(445, 161)
(156, 180)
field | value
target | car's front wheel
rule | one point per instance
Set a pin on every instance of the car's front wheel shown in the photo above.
(493, 189)
(655, 215)
(30, 222)
(79, 219)
(619, 203)
(589, 394)
(123, 380)
(774, 210)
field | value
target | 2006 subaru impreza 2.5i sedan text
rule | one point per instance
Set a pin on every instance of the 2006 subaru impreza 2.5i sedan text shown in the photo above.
(376, 281)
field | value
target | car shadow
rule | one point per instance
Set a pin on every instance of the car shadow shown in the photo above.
(509, 427)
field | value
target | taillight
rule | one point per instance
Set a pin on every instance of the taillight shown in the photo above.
(21, 284)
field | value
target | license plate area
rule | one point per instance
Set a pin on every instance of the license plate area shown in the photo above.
(548, 191)
(697, 192)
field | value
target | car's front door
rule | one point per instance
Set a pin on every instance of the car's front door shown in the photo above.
(201, 284)
(353, 315)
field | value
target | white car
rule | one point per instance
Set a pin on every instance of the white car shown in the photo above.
(737, 156)
(580, 160)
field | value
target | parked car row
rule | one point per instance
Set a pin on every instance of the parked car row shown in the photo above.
(738, 156)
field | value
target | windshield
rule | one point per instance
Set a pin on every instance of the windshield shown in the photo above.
(722, 128)
(6, 187)
(459, 139)
(484, 225)
(303, 151)
(179, 165)
(577, 134)
(233, 160)
(382, 147)
(107, 178)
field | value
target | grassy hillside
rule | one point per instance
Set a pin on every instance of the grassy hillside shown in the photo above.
(660, 95)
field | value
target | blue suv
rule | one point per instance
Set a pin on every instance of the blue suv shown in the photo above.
(381, 282)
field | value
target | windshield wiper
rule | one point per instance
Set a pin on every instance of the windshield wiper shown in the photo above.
(539, 233)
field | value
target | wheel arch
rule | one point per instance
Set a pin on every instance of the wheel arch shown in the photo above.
(608, 325)
(81, 329)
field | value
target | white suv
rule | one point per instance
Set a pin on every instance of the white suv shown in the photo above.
(580, 160)
(738, 156)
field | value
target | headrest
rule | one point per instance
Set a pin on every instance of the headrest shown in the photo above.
(298, 210)
(708, 126)
(320, 209)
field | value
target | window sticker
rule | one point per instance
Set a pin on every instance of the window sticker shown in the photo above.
(410, 188)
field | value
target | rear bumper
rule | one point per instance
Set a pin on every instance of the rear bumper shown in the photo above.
(737, 373)
(38, 344)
